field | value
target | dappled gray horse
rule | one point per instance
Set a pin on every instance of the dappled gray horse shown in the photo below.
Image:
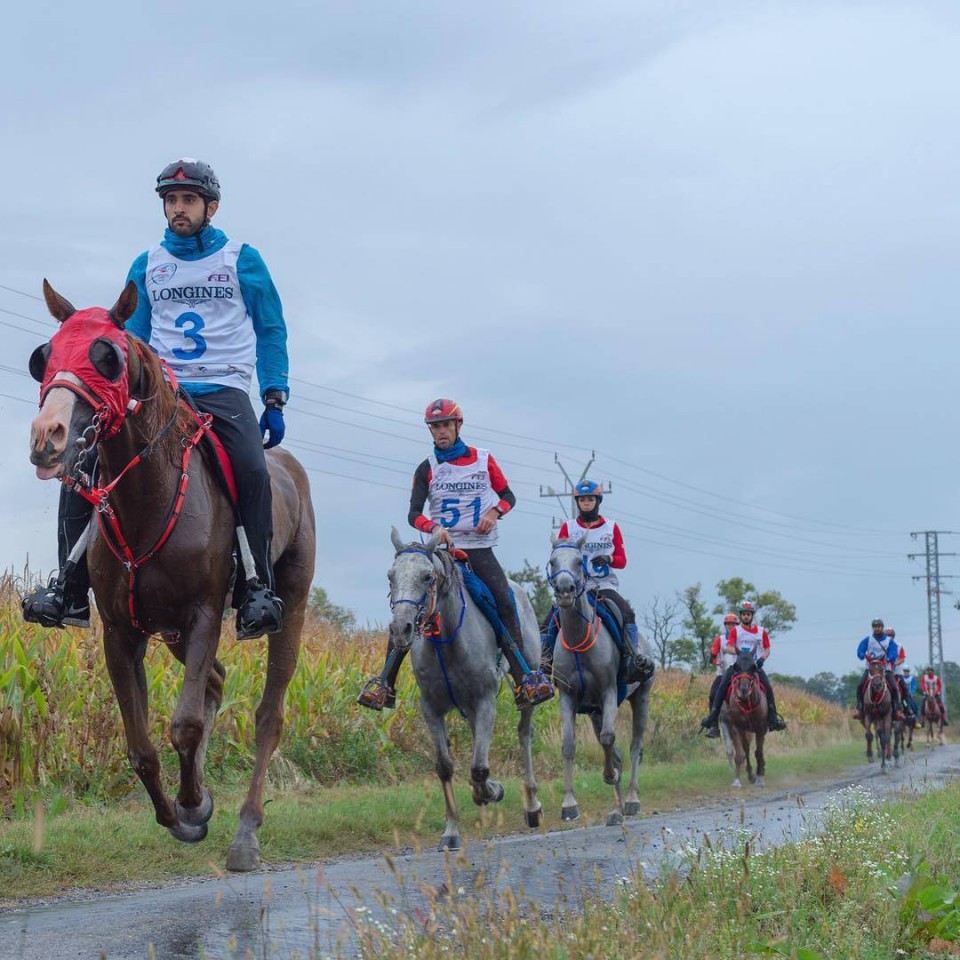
(585, 664)
(456, 662)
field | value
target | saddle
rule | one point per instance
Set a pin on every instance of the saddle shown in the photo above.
(215, 453)
(482, 597)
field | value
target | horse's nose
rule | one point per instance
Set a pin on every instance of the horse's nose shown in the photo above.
(401, 634)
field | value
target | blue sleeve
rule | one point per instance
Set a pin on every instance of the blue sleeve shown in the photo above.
(893, 651)
(862, 649)
(263, 305)
(139, 324)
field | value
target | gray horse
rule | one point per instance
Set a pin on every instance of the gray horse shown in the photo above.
(585, 664)
(457, 665)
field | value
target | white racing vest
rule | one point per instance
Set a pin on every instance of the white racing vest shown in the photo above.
(199, 322)
(752, 642)
(877, 648)
(459, 496)
(598, 542)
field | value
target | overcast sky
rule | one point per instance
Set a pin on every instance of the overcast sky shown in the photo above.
(718, 248)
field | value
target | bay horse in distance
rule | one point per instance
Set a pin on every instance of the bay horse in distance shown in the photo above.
(932, 719)
(160, 559)
(878, 711)
(745, 715)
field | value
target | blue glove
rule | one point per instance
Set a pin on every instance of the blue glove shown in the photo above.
(272, 422)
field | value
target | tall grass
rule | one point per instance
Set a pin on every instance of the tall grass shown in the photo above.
(60, 727)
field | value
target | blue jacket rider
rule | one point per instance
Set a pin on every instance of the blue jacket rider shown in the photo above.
(208, 306)
(876, 645)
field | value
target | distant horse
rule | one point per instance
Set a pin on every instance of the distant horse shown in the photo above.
(161, 560)
(932, 717)
(878, 711)
(586, 661)
(745, 715)
(456, 661)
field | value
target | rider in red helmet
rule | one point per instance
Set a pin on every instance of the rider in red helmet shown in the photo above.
(468, 521)
(745, 636)
(208, 306)
(932, 686)
(719, 656)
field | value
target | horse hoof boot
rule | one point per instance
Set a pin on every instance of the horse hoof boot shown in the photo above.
(615, 819)
(534, 818)
(534, 688)
(570, 813)
(631, 808)
(449, 843)
(376, 695)
(243, 855)
(198, 815)
(261, 612)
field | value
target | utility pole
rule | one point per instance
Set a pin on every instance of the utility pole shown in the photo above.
(569, 488)
(933, 578)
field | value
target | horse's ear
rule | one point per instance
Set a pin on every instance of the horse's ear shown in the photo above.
(126, 303)
(431, 545)
(395, 539)
(580, 539)
(60, 308)
(554, 539)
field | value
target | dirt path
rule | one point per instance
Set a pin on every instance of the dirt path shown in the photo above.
(311, 909)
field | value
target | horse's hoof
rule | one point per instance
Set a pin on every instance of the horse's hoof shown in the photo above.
(243, 856)
(496, 791)
(631, 808)
(449, 843)
(737, 784)
(870, 759)
(615, 819)
(534, 818)
(758, 782)
(570, 813)
(186, 833)
(198, 815)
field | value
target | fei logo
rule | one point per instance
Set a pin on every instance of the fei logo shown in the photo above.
(218, 278)
(163, 272)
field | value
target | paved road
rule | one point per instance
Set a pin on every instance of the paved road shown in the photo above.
(306, 912)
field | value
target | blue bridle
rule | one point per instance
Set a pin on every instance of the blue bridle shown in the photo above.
(419, 604)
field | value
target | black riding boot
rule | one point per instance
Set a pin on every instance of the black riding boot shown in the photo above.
(381, 691)
(711, 722)
(65, 601)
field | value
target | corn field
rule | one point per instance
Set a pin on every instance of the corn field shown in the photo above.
(60, 728)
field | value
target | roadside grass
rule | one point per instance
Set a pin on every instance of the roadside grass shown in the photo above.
(56, 850)
(873, 881)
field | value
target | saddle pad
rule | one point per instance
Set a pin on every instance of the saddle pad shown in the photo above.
(483, 598)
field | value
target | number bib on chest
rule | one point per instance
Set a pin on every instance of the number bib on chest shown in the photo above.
(459, 496)
(598, 543)
(199, 322)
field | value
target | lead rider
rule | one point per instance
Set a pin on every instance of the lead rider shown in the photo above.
(208, 306)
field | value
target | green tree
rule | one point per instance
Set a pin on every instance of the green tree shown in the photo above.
(699, 628)
(326, 611)
(776, 614)
(534, 582)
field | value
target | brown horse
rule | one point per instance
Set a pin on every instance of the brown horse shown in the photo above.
(745, 715)
(161, 560)
(878, 711)
(932, 717)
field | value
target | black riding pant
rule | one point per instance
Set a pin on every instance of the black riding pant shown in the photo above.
(487, 567)
(72, 518)
(238, 428)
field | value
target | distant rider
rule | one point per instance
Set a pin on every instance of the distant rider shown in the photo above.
(745, 636)
(878, 646)
(899, 668)
(465, 519)
(932, 686)
(719, 656)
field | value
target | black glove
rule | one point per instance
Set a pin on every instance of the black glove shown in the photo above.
(271, 421)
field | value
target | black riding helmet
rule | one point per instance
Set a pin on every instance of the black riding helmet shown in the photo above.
(192, 174)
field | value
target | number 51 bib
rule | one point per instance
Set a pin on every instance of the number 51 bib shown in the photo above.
(460, 496)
